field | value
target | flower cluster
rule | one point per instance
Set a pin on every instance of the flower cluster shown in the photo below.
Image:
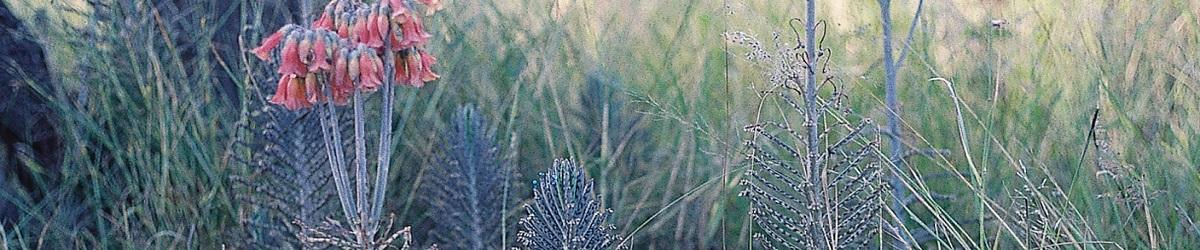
(342, 51)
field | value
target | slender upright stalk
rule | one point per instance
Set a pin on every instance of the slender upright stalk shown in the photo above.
(810, 97)
(360, 162)
(893, 117)
(385, 132)
(891, 71)
(810, 101)
(336, 164)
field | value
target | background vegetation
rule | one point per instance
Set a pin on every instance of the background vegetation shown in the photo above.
(649, 98)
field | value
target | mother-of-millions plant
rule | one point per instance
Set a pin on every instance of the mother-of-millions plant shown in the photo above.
(354, 48)
(564, 213)
(469, 185)
(814, 180)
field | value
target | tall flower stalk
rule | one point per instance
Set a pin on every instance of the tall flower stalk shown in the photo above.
(352, 49)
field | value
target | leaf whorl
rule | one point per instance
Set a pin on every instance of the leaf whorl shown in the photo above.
(564, 213)
(468, 182)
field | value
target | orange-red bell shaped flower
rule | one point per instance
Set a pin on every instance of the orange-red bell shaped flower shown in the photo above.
(398, 8)
(372, 36)
(427, 62)
(433, 6)
(414, 34)
(320, 61)
(312, 89)
(370, 73)
(291, 93)
(326, 19)
(381, 21)
(359, 32)
(345, 25)
(413, 68)
(264, 51)
(305, 49)
(291, 64)
(342, 85)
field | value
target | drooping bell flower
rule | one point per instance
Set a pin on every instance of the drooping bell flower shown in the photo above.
(427, 62)
(280, 90)
(381, 22)
(433, 6)
(401, 65)
(291, 64)
(320, 61)
(306, 42)
(291, 93)
(372, 36)
(264, 51)
(297, 94)
(313, 89)
(370, 74)
(358, 33)
(413, 69)
(378, 61)
(342, 85)
(414, 33)
(326, 19)
(339, 8)
(398, 8)
(396, 37)
(345, 25)
(352, 66)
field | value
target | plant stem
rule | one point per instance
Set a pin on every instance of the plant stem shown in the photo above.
(810, 100)
(360, 162)
(333, 150)
(385, 132)
(893, 117)
(810, 97)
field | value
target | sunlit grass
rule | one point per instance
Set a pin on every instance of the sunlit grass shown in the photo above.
(149, 139)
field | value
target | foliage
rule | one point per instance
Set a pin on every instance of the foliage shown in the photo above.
(564, 213)
(804, 199)
(469, 184)
(150, 97)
